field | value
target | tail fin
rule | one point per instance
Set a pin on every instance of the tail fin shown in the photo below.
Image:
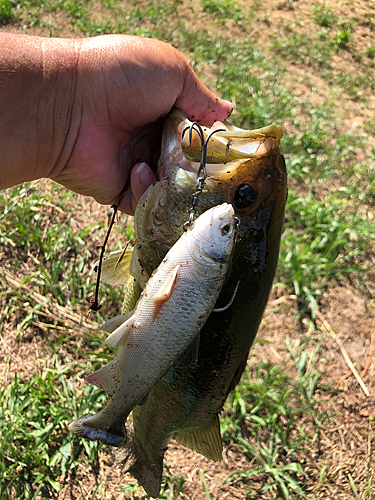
(90, 427)
(135, 460)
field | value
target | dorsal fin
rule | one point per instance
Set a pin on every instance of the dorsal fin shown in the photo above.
(106, 378)
(115, 267)
(207, 442)
(120, 334)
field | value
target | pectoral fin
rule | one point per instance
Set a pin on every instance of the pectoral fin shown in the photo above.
(207, 442)
(113, 323)
(106, 378)
(189, 356)
(115, 267)
(121, 333)
(165, 291)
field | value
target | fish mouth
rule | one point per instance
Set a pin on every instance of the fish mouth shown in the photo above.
(244, 168)
(227, 146)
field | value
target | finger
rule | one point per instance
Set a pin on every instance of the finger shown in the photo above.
(141, 178)
(125, 204)
(200, 104)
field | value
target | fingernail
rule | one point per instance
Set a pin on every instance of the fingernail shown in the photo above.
(230, 105)
(145, 175)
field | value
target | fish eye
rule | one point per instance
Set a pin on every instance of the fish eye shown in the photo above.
(225, 230)
(244, 196)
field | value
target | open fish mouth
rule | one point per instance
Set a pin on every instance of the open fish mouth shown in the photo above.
(245, 168)
(228, 147)
(229, 143)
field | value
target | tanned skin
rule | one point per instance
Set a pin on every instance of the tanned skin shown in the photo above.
(88, 113)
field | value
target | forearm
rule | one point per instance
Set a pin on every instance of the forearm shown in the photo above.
(38, 77)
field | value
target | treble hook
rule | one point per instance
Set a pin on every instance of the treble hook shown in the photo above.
(202, 166)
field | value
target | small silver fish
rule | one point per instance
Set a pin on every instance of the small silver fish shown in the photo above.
(174, 306)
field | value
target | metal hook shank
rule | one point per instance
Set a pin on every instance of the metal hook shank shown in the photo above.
(202, 167)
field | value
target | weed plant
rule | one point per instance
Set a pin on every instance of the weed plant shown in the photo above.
(343, 38)
(324, 16)
(268, 420)
(223, 9)
(36, 448)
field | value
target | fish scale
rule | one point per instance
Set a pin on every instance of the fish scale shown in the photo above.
(174, 306)
(186, 402)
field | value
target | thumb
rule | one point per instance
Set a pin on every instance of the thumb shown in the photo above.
(141, 178)
(200, 104)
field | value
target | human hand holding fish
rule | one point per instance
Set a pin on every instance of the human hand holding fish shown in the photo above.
(88, 113)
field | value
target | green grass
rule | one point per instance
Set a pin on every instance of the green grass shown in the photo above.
(366, 493)
(343, 38)
(291, 45)
(34, 226)
(320, 243)
(268, 420)
(223, 9)
(324, 16)
(7, 12)
(36, 447)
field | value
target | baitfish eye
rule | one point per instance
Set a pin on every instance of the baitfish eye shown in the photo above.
(244, 196)
(225, 230)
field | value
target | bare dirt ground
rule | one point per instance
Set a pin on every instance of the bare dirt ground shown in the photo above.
(347, 441)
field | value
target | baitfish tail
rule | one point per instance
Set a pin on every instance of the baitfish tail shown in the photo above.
(134, 460)
(89, 427)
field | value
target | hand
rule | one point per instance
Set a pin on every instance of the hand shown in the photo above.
(123, 87)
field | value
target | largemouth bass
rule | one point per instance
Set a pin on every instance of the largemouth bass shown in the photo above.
(248, 171)
(174, 306)
(186, 403)
(243, 182)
